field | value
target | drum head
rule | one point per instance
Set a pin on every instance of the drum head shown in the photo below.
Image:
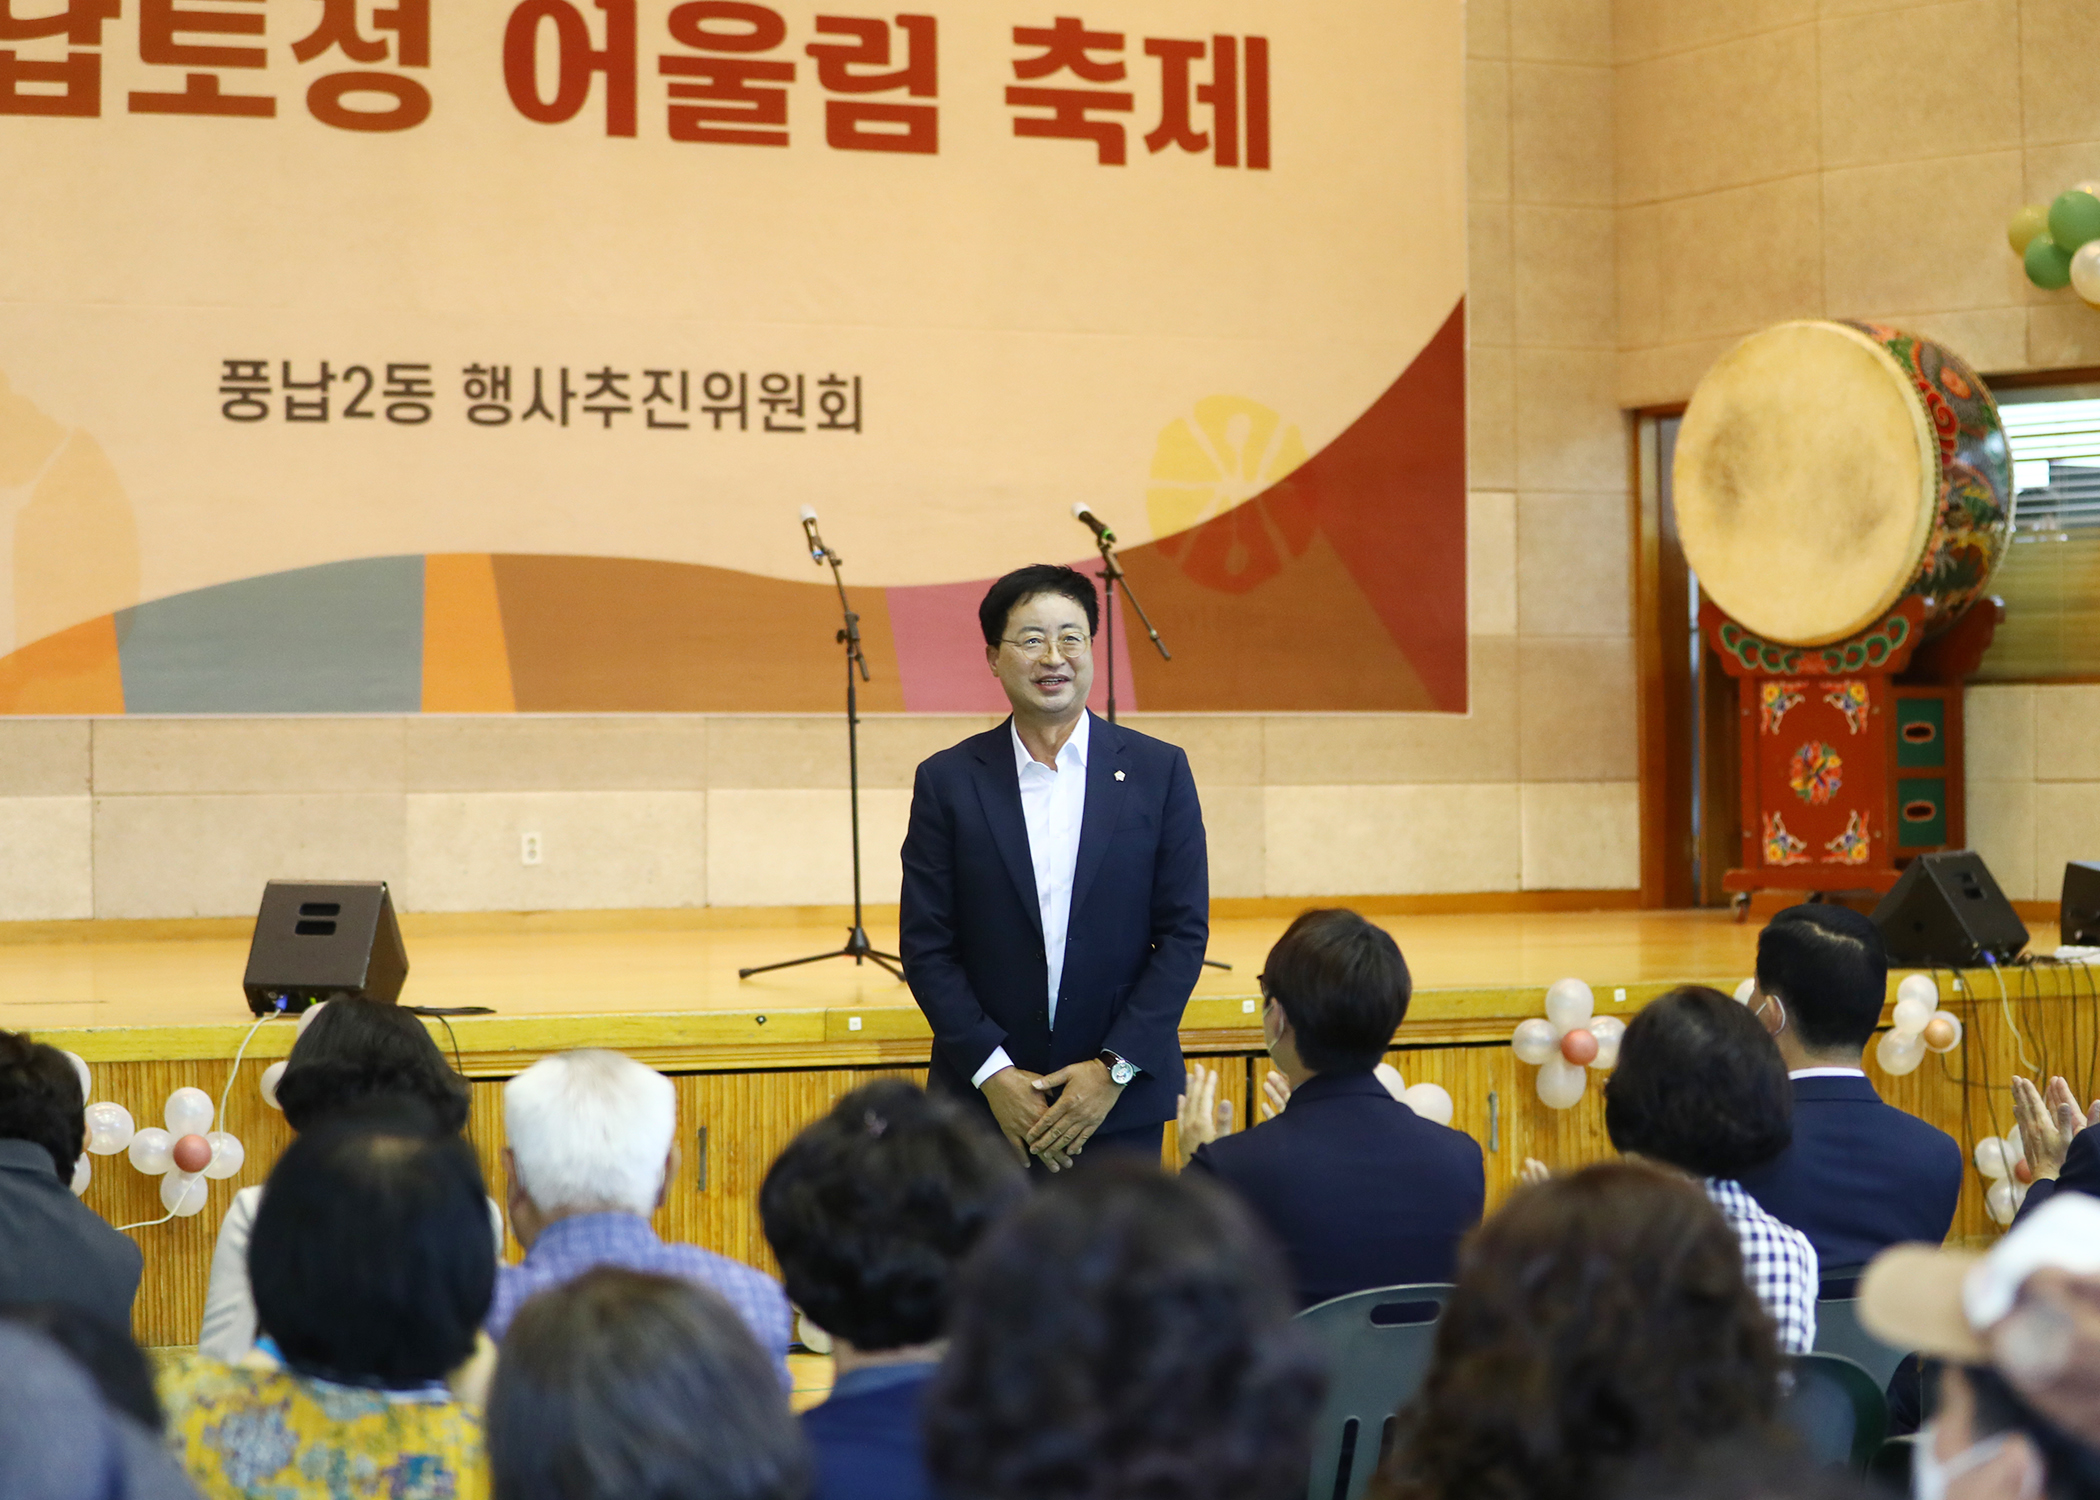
(1806, 482)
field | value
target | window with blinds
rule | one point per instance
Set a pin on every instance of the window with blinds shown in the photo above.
(2050, 579)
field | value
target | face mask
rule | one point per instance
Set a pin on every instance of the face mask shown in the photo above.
(1930, 1478)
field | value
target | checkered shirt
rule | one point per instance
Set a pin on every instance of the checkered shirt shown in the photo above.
(569, 1247)
(1779, 1261)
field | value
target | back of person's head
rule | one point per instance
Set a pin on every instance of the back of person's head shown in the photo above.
(1601, 1320)
(1827, 966)
(370, 1259)
(108, 1354)
(590, 1130)
(356, 1053)
(625, 1386)
(871, 1209)
(59, 1441)
(1023, 584)
(1124, 1334)
(40, 1100)
(1699, 1084)
(1343, 987)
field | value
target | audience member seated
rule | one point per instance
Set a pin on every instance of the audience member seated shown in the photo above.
(1358, 1189)
(353, 1055)
(869, 1211)
(1700, 1086)
(1601, 1327)
(592, 1152)
(622, 1385)
(60, 1441)
(2059, 1140)
(107, 1354)
(372, 1274)
(1124, 1335)
(1860, 1175)
(53, 1247)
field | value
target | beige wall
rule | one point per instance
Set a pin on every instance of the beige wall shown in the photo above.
(2034, 782)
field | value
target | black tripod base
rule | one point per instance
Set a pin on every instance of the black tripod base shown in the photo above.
(857, 948)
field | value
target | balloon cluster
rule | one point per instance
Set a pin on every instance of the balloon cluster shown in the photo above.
(2059, 242)
(2003, 1161)
(1569, 1041)
(184, 1154)
(1917, 1026)
(1432, 1101)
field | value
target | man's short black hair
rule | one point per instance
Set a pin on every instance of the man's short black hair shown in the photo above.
(357, 1053)
(1026, 583)
(871, 1209)
(1828, 966)
(371, 1260)
(40, 1100)
(1343, 987)
(1699, 1085)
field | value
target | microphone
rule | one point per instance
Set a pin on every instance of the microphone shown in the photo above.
(809, 534)
(1092, 522)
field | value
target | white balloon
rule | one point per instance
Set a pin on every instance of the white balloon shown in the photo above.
(87, 1079)
(1431, 1102)
(1744, 991)
(82, 1175)
(152, 1150)
(1999, 1203)
(183, 1193)
(1919, 987)
(1910, 1015)
(1535, 1041)
(1561, 1083)
(1899, 1052)
(227, 1154)
(268, 1083)
(1569, 1003)
(2015, 1148)
(2085, 271)
(189, 1112)
(109, 1128)
(1389, 1075)
(306, 1017)
(1609, 1031)
(1991, 1159)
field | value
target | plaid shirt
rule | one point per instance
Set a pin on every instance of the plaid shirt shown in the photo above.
(569, 1247)
(1779, 1261)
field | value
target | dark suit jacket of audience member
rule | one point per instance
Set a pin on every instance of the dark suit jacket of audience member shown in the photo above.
(54, 1248)
(1861, 1175)
(2080, 1172)
(1359, 1190)
(866, 1436)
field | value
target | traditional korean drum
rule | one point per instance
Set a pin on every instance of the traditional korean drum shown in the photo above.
(1826, 470)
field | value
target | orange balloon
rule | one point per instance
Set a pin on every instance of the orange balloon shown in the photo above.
(2022, 1171)
(1578, 1047)
(1939, 1033)
(192, 1153)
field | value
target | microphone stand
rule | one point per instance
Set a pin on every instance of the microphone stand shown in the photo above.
(1111, 571)
(857, 948)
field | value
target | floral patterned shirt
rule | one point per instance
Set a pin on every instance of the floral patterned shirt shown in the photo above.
(269, 1434)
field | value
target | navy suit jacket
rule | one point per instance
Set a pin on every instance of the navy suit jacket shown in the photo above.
(2080, 1173)
(1860, 1175)
(866, 1437)
(54, 1248)
(1359, 1190)
(971, 929)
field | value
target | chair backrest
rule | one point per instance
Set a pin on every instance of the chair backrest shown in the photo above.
(1836, 1409)
(1378, 1347)
(1839, 1331)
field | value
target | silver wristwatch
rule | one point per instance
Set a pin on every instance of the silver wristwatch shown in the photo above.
(1120, 1072)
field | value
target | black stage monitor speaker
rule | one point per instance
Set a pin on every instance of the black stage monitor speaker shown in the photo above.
(1947, 911)
(318, 941)
(2078, 914)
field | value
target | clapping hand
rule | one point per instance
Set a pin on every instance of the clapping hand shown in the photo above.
(1200, 1116)
(1275, 1094)
(2047, 1122)
(1534, 1172)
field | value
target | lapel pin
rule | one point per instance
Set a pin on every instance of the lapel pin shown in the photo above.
(1119, 775)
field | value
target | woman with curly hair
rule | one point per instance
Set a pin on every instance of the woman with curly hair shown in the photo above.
(1601, 1325)
(1124, 1335)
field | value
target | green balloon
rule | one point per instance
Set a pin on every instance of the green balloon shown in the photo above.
(2074, 218)
(2048, 263)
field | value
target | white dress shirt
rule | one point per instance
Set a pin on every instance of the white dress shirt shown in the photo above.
(1053, 804)
(1827, 1073)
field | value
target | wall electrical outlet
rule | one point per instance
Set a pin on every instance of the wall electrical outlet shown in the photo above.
(529, 848)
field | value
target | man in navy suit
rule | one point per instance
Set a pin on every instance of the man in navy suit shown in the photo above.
(1359, 1190)
(1860, 1175)
(1056, 899)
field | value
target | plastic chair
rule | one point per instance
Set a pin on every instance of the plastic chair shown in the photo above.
(1839, 1331)
(1836, 1409)
(1379, 1345)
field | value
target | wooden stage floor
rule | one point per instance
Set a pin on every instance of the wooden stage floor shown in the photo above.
(581, 964)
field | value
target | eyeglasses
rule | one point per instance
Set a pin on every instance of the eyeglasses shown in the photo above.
(1035, 645)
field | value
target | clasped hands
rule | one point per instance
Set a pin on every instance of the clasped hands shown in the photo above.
(1055, 1131)
(2047, 1122)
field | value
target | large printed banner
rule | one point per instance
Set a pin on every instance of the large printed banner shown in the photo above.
(452, 356)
